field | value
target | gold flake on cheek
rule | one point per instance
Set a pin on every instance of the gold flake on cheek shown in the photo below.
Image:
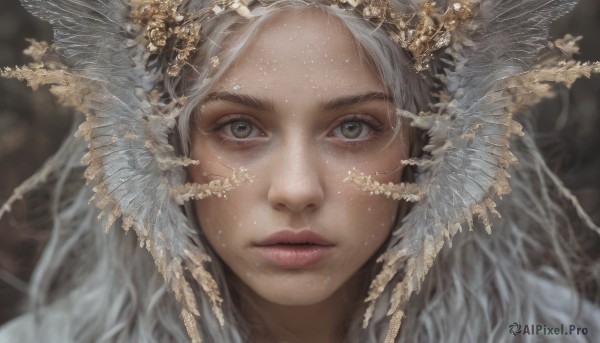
(217, 188)
(407, 191)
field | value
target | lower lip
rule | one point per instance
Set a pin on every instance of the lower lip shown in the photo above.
(294, 256)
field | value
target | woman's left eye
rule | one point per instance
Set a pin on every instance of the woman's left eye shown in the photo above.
(352, 129)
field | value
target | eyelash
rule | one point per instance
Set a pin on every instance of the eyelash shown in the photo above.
(363, 119)
(354, 144)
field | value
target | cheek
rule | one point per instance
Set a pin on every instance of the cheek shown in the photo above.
(224, 226)
(211, 219)
(229, 213)
(367, 219)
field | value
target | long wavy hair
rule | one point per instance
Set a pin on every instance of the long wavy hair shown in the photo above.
(90, 285)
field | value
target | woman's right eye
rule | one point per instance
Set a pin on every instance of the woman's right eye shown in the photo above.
(240, 129)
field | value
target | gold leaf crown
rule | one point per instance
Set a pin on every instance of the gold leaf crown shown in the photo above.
(169, 26)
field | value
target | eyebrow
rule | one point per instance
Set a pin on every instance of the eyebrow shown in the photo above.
(267, 105)
(242, 99)
(355, 99)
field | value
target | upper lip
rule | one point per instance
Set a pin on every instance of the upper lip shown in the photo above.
(305, 236)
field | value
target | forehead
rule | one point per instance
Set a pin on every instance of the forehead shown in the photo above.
(301, 48)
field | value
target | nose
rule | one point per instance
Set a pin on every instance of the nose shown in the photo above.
(296, 183)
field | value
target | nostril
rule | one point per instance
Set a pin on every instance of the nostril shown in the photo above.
(295, 188)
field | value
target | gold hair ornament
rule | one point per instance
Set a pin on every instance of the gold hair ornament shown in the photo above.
(169, 28)
(422, 33)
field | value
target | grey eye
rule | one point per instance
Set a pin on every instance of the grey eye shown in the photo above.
(352, 129)
(241, 128)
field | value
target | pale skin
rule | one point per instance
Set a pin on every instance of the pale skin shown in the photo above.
(298, 110)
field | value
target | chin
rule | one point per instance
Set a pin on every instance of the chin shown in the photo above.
(296, 297)
(295, 290)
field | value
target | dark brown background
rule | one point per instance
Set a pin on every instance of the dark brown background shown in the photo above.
(32, 127)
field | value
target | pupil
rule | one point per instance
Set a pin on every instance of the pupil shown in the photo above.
(241, 129)
(351, 129)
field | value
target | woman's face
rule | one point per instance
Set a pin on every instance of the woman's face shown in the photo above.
(298, 110)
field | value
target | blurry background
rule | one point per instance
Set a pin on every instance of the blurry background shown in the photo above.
(32, 127)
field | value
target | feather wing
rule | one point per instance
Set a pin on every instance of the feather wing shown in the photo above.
(469, 138)
(130, 163)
